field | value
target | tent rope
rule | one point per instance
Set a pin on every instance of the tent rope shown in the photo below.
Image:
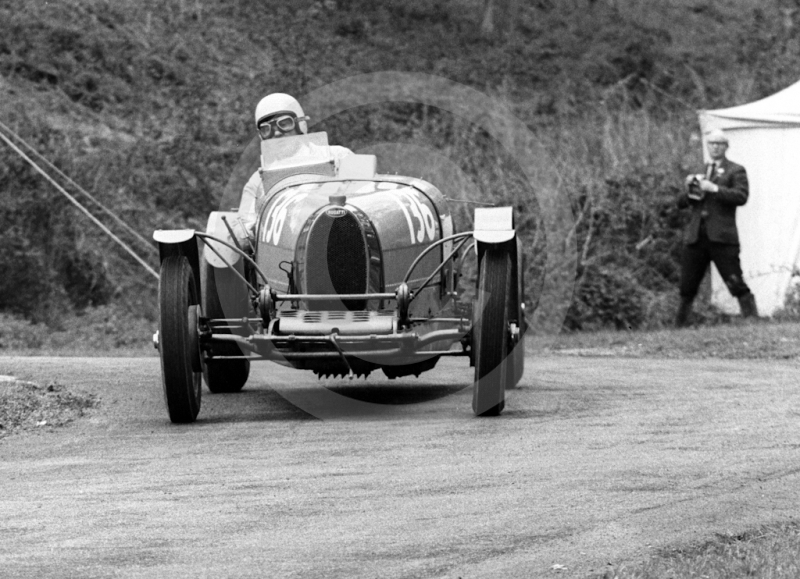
(77, 204)
(63, 175)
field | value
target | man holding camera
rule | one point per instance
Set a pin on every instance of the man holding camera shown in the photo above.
(711, 234)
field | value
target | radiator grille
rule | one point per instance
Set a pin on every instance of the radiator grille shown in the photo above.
(337, 261)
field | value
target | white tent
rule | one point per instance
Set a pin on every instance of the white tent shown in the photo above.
(765, 138)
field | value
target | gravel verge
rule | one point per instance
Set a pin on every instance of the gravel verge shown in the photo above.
(30, 406)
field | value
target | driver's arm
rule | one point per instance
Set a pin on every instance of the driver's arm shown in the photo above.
(253, 189)
(338, 153)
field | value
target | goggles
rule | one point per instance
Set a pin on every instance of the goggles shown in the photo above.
(279, 125)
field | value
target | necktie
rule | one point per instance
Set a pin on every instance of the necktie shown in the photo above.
(712, 170)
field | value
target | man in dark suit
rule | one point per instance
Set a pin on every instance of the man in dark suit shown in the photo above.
(711, 234)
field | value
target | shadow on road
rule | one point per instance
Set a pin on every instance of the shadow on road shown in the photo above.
(395, 393)
(260, 404)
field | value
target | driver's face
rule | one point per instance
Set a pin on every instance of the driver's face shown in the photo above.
(716, 150)
(278, 126)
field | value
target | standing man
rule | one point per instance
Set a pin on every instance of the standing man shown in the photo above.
(711, 235)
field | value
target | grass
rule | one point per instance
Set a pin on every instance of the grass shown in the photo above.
(103, 331)
(737, 340)
(770, 552)
(110, 331)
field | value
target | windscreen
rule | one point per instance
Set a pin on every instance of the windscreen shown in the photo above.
(294, 151)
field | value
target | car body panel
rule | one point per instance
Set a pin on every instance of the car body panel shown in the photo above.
(405, 221)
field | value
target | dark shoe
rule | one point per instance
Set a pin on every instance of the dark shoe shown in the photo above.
(747, 303)
(684, 310)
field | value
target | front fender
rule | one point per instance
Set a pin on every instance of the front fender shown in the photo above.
(494, 225)
(180, 242)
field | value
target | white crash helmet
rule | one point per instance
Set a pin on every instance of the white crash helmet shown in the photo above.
(279, 102)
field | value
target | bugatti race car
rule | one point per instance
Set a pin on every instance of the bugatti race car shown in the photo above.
(342, 271)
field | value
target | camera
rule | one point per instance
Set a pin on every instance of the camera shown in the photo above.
(695, 193)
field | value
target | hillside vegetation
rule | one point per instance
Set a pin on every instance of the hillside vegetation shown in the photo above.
(149, 104)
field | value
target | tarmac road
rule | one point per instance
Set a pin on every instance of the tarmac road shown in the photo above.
(595, 460)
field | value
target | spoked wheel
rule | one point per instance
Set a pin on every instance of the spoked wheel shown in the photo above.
(490, 332)
(223, 376)
(180, 354)
(517, 312)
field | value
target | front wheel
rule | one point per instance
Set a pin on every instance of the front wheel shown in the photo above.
(490, 332)
(180, 355)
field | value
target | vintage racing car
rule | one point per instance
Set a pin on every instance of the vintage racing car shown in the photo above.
(338, 270)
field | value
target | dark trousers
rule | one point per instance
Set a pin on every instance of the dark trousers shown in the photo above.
(694, 264)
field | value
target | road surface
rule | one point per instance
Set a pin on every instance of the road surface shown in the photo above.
(595, 461)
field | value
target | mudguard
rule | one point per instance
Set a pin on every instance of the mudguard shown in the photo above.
(180, 242)
(494, 224)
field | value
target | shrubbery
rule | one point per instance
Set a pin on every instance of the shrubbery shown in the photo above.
(46, 265)
(149, 106)
(629, 241)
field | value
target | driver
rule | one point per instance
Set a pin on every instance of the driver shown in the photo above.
(279, 115)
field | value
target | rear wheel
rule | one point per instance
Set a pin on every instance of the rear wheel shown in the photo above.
(490, 332)
(223, 376)
(177, 297)
(226, 376)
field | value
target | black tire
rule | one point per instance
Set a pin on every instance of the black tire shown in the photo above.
(176, 294)
(223, 376)
(518, 312)
(226, 376)
(490, 332)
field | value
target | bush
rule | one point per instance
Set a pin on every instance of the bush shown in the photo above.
(48, 264)
(629, 239)
(791, 305)
(150, 105)
(606, 297)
